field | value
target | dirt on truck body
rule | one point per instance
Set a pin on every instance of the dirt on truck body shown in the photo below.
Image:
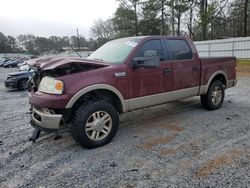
(121, 76)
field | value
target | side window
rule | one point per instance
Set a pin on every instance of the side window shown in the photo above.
(178, 49)
(152, 45)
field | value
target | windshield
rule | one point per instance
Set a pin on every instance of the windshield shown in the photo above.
(115, 51)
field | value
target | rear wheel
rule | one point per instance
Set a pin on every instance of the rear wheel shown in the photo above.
(22, 85)
(95, 124)
(214, 97)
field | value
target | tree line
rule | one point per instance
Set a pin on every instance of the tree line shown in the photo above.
(198, 19)
(37, 45)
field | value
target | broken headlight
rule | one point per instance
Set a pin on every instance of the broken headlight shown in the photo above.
(51, 85)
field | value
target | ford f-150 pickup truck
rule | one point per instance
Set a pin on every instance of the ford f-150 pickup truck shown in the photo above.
(123, 75)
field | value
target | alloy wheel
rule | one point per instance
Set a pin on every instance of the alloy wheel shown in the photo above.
(98, 125)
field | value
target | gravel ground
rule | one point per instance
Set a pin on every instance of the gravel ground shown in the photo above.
(174, 145)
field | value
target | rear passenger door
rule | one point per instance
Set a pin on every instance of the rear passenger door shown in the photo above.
(185, 69)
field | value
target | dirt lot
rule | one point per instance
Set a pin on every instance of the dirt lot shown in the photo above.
(176, 145)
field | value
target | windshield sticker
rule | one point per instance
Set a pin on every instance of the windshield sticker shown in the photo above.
(131, 43)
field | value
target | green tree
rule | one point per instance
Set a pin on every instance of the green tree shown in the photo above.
(180, 7)
(192, 4)
(28, 43)
(123, 22)
(43, 44)
(150, 24)
(59, 42)
(204, 17)
(246, 2)
(3, 41)
(132, 5)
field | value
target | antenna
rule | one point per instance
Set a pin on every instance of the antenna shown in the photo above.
(78, 40)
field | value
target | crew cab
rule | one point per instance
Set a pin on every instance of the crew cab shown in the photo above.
(123, 75)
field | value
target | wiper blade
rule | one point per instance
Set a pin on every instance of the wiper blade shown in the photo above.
(98, 59)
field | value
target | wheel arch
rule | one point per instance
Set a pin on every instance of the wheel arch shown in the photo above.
(100, 91)
(218, 75)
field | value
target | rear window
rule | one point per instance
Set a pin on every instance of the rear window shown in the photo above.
(178, 49)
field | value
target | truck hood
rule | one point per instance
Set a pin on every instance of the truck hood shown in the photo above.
(50, 63)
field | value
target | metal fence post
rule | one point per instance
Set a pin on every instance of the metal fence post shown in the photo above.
(209, 49)
(233, 47)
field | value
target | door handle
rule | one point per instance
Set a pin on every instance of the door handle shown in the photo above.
(195, 67)
(167, 71)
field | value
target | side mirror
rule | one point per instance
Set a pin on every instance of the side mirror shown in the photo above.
(148, 61)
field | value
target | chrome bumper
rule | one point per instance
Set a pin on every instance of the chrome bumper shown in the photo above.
(44, 120)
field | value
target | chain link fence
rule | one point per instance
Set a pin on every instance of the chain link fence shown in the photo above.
(13, 55)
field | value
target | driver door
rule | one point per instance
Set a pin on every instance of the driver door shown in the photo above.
(144, 83)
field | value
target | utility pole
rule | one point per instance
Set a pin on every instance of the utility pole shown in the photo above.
(245, 18)
(162, 17)
(78, 40)
(172, 17)
(136, 19)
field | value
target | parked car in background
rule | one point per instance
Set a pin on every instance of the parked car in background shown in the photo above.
(24, 68)
(2, 62)
(22, 64)
(7, 61)
(18, 80)
(12, 63)
(25, 62)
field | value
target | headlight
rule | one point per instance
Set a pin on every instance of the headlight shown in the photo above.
(11, 78)
(51, 85)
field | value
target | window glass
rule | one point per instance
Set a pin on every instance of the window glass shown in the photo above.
(178, 49)
(152, 45)
(115, 51)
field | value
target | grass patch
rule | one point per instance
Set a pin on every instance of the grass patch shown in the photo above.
(243, 67)
(243, 61)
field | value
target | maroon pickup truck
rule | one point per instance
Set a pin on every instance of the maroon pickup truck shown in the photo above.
(123, 75)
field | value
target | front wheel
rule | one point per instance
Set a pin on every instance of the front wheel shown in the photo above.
(95, 124)
(22, 85)
(214, 97)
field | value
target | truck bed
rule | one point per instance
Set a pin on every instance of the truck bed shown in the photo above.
(212, 65)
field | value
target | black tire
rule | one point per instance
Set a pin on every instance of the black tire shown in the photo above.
(83, 114)
(210, 102)
(22, 84)
(203, 100)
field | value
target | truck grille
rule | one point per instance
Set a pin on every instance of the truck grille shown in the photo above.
(35, 81)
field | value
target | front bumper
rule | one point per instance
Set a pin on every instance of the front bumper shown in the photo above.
(44, 100)
(44, 120)
(10, 84)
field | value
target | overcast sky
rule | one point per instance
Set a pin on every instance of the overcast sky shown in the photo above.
(53, 17)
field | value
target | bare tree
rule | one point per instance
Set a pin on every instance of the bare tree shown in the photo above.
(180, 7)
(191, 18)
